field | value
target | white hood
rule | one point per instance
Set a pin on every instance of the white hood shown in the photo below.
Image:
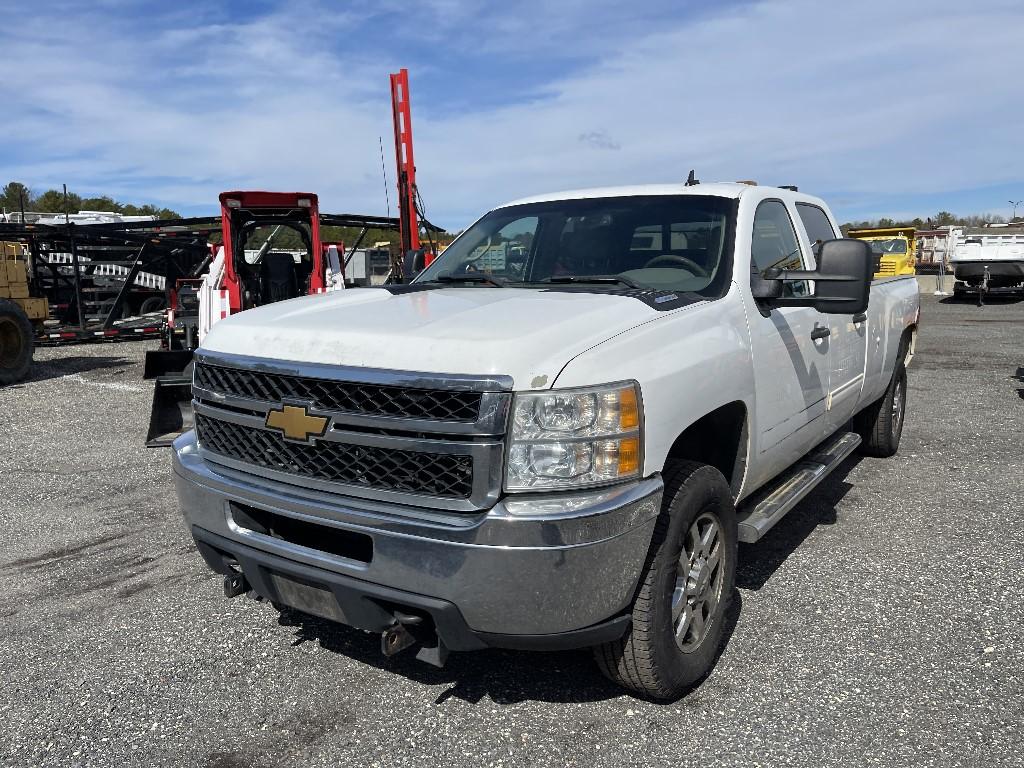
(524, 333)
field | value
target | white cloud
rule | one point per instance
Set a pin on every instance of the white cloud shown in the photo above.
(821, 95)
(828, 99)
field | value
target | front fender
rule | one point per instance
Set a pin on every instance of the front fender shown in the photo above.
(688, 362)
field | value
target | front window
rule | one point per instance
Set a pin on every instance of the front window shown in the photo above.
(886, 247)
(773, 245)
(672, 243)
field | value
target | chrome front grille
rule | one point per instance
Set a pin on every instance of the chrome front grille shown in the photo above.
(344, 397)
(420, 439)
(436, 474)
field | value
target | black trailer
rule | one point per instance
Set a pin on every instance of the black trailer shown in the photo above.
(108, 282)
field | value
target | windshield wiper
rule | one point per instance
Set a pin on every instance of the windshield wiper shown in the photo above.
(610, 279)
(470, 278)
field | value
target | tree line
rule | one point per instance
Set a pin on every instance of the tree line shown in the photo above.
(16, 195)
(940, 219)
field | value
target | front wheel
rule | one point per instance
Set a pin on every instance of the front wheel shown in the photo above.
(684, 591)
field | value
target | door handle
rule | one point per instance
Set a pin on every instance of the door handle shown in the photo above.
(860, 317)
(821, 332)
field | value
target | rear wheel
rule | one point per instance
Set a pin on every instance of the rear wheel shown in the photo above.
(684, 591)
(16, 343)
(880, 425)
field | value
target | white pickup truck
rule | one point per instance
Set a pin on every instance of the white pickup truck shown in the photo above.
(555, 436)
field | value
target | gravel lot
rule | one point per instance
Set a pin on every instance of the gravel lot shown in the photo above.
(879, 623)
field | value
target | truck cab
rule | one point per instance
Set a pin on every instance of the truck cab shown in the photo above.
(269, 275)
(557, 434)
(895, 249)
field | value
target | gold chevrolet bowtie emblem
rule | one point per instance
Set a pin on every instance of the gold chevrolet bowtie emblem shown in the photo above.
(295, 423)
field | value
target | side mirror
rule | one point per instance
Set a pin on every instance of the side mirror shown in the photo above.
(765, 288)
(842, 280)
(413, 263)
(845, 270)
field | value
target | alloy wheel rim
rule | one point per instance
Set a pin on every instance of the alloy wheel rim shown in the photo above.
(698, 589)
(897, 408)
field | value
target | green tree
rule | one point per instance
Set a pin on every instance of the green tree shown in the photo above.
(102, 203)
(52, 201)
(13, 195)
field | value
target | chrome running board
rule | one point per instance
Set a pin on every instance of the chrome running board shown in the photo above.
(759, 513)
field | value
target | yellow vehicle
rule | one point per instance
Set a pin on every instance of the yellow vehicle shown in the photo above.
(20, 315)
(894, 247)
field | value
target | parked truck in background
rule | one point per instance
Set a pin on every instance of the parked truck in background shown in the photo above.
(895, 248)
(987, 260)
(556, 450)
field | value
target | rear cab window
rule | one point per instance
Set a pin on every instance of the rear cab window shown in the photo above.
(816, 225)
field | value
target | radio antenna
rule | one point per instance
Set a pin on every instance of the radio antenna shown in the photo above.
(384, 173)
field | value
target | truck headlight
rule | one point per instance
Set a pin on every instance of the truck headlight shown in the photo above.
(570, 438)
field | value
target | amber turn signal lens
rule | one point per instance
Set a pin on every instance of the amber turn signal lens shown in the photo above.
(629, 411)
(629, 456)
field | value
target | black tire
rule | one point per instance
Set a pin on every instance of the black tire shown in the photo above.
(108, 305)
(880, 425)
(152, 304)
(648, 660)
(16, 343)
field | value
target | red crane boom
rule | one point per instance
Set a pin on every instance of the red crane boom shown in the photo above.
(408, 224)
(409, 227)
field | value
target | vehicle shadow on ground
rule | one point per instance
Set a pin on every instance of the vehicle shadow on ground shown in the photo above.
(1019, 376)
(43, 370)
(757, 562)
(504, 677)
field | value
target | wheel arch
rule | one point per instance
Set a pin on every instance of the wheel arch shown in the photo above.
(910, 334)
(719, 438)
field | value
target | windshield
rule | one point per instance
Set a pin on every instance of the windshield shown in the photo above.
(673, 243)
(896, 245)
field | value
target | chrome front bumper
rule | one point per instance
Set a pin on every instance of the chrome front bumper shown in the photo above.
(540, 565)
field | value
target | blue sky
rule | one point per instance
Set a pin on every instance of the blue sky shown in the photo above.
(897, 108)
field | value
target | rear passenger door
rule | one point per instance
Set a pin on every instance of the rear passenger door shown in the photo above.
(791, 350)
(849, 333)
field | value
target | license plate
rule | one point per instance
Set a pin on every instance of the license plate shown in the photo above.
(307, 597)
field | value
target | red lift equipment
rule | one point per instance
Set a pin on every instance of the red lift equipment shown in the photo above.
(241, 213)
(408, 195)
